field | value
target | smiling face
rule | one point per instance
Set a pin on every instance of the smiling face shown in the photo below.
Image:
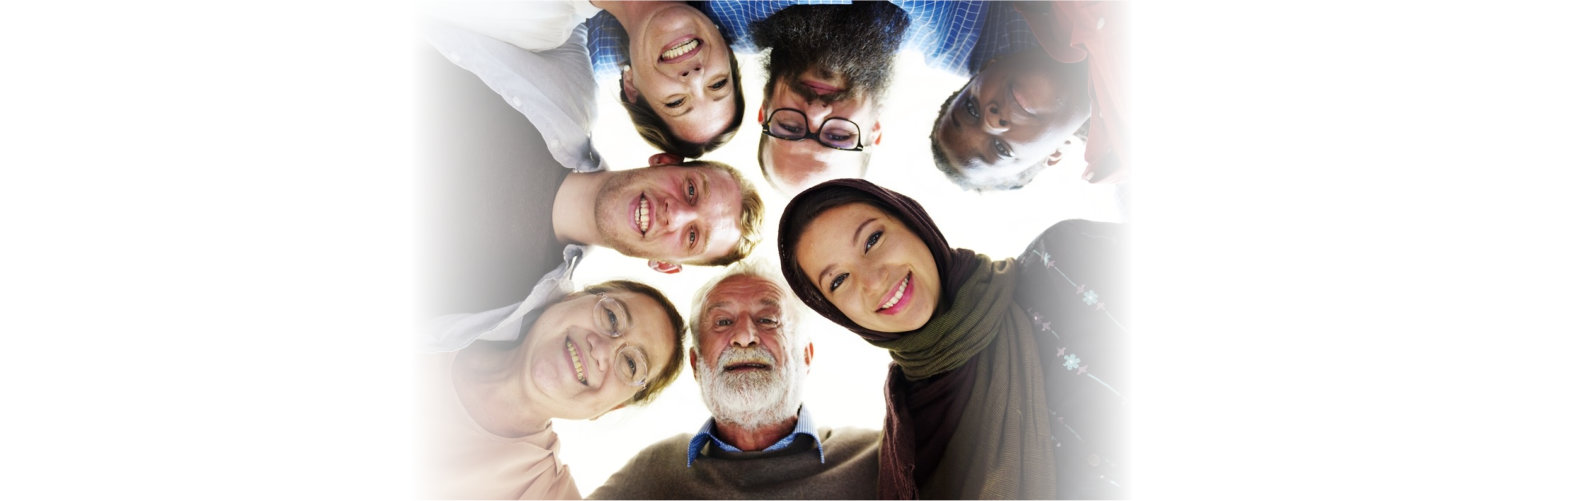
(680, 64)
(679, 214)
(870, 266)
(747, 359)
(572, 365)
(1011, 116)
(796, 165)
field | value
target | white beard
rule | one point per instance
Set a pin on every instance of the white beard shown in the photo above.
(754, 399)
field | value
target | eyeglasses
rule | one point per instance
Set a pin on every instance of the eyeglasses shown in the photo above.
(613, 320)
(837, 133)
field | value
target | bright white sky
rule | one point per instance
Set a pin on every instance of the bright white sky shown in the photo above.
(845, 386)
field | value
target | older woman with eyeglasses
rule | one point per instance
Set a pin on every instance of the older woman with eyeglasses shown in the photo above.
(488, 407)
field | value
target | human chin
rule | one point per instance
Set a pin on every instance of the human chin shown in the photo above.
(751, 398)
(702, 124)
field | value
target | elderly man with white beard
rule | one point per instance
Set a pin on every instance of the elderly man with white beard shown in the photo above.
(761, 443)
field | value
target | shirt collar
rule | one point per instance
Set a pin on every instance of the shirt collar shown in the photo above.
(803, 426)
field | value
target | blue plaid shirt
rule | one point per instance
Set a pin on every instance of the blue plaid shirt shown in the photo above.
(1004, 32)
(803, 426)
(944, 31)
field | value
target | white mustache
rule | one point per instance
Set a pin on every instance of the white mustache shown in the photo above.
(748, 355)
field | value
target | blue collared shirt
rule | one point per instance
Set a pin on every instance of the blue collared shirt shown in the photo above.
(944, 31)
(803, 426)
(1004, 32)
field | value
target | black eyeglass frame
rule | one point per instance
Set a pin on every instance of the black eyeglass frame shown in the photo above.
(807, 134)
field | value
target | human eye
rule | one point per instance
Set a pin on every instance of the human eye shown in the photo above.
(630, 366)
(724, 322)
(1003, 149)
(719, 84)
(676, 103)
(872, 240)
(768, 322)
(613, 320)
(838, 280)
(971, 107)
(691, 238)
(691, 191)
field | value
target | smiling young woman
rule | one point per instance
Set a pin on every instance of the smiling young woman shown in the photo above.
(1011, 369)
(681, 83)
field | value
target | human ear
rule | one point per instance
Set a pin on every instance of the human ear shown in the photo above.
(693, 356)
(877, 133)
(664, 159)
(664, 267)
(809, 354)
(628, 86)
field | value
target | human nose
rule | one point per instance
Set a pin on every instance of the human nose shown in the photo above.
(994, 122)
(678, 214)
(744, 334)
(694, 70)
(876, 284)
(600, 347)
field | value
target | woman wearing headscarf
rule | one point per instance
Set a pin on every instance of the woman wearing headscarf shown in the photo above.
(1005, 381)
(487, 408)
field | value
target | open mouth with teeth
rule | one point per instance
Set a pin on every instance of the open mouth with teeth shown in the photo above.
(641, 215)
(747, 366)
(576, 360)
(680, 50)
(898, 297)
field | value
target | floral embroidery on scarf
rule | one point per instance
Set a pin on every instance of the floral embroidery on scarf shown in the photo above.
(1090, 298)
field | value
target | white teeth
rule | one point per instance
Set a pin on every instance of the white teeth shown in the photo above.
(576, 359)
(680, 50)
(899, 291)
(642, 215)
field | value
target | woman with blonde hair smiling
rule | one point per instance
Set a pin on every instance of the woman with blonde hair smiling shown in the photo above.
(488, 406)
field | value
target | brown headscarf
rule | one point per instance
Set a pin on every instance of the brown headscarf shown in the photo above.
(964, 399)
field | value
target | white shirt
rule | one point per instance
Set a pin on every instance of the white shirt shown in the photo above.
(554, 88)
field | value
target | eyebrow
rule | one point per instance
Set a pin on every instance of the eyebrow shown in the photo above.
(622, 304)
(716, 305)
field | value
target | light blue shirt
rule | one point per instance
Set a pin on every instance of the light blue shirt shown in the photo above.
(803, 426)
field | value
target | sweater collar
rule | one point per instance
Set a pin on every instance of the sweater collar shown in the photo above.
(803, 426)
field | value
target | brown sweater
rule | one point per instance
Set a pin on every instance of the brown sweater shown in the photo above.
(849, 470)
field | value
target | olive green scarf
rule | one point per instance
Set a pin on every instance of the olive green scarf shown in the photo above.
(1001, 445)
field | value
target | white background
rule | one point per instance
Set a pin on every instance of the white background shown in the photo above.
(1353, 250)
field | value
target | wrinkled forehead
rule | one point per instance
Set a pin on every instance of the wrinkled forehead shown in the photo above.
(748, 289)
(954, 138)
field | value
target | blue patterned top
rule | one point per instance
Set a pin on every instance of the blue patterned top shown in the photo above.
(1004, 32)
(803, 426)
(944, 31)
